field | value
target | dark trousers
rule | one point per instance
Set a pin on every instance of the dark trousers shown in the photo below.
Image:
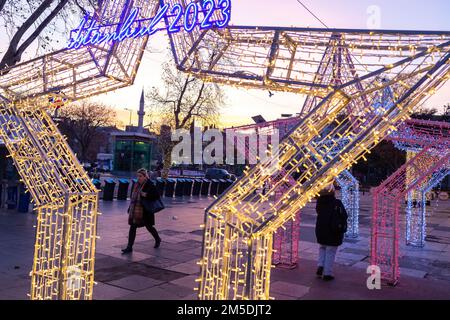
(132, 234)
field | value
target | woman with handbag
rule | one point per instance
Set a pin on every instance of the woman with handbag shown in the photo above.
(145, 202)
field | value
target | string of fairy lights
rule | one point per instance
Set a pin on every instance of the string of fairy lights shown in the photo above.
(418, 234)
(65, 199)
(387, 201)
(249, 61)
(239, 208)
(239, 227)
(285, 253)
(412, 137)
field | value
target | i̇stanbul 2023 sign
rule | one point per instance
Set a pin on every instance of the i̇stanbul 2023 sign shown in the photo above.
(196, 14)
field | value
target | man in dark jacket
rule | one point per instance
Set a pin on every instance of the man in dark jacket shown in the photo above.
(331, 226)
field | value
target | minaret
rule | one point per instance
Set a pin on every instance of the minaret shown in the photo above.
(141, 113)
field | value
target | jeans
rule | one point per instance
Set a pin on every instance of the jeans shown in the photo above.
(327, 254)
(132, 234)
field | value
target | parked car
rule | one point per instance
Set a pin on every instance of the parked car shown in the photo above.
(217, 173)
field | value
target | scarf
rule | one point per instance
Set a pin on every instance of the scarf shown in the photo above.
(136, 213)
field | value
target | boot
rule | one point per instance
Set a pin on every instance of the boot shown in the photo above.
(319, 271)
(127, 250)
(155, 235)
(328, 278)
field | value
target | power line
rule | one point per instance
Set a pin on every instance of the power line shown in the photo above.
(318, 19)
(312, 13)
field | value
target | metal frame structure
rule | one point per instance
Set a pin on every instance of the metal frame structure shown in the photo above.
(387, 200)
(239, 226)
(335, 68)
(416, 211)
(414, 134)
(65, 199)
(286, 237)
(285, 244)
(350, 199)
(412, 137)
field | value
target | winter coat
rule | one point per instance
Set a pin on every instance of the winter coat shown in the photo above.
(327, 216)
(137, 214)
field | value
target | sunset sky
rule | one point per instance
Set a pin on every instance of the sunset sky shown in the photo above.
(242, 104)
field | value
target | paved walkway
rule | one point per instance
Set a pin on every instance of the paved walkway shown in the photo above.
(169, 272)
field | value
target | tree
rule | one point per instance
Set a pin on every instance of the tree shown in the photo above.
(383, 161)
(183, 99)
(425, 113)
(82, 122)
(37, 21)
(447, 112)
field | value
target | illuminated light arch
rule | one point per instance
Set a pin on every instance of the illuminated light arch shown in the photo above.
(239, 226)
(286, 238)
(286, 244)
(336, 67)
(387, 200)
(350, 199)
(65, 199)
(412, 137)
(416, 214)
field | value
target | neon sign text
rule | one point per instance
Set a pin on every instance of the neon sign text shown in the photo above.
(89, 32)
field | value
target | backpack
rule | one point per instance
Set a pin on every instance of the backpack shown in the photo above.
(339, 222)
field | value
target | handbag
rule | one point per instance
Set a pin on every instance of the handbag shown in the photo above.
(152, 206)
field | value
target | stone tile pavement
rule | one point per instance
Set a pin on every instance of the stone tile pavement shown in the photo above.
(170, 272)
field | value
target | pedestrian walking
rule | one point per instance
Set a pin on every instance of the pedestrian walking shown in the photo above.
(140, 213)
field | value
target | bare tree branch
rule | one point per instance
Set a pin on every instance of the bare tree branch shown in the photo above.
(40, 28)
(10, 57)
(82, 123)
(194, 105)
(180, 102)
(2, 4)
(183, 98)
(27, 24)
